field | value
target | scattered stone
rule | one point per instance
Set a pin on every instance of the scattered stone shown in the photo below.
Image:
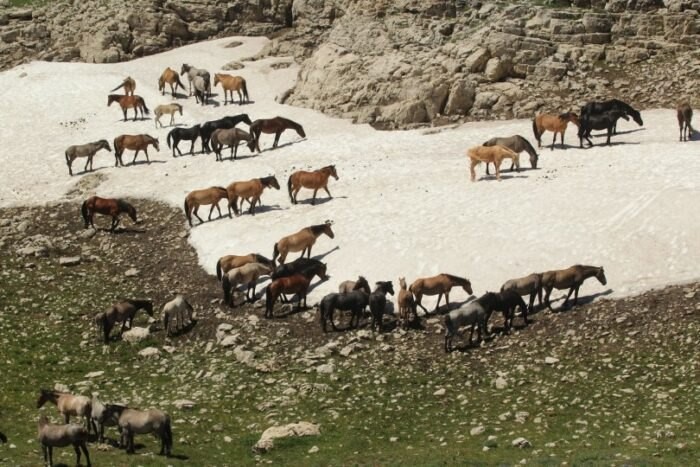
(313, 450)
(326, 368)
(184, 404)
(477, 430)
(94, 374)
(440, 392)
(133, 272)
(69, 261)
(136, 334)
(149, 352)
(551, 360)
(521, 443)
(266, 441)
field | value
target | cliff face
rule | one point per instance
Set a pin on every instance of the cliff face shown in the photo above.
(404, 62)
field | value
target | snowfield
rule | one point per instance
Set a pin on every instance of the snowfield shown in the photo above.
(403, 206)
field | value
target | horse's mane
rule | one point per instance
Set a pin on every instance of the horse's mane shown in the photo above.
(267, 179)
(289, 122)
(220, 188)
(459, 280)
(123, 204)
(318, 228)
(261, 259)
(328, 167)
(564, 116)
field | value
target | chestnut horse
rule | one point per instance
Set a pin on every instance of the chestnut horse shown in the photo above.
(251, 191)
(554, 123)
(67, 405)
(135, 143)
(273, 125)
(171, 77)
(128, 84)
(301, 241)
(685, 114)
(570, 278)
(494, 154)
(438, 285)
(108, 207)
(228, 262)
(230, 84)
(196, 198)
(129, 102)
(295, 284)
(313, 180)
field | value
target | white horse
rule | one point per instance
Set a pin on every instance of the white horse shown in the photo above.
(473, 314)
(177, 311)
(192, 72)
(59, 436)
(167, 109)
(141, 422)
(85, 150)
(101, 418)
(246, 274)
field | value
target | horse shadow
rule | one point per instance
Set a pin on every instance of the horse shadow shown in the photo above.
(263, 209)
(625, 132)
(215, 218)
(178, 95)
(581, 300)
(240, 104)
(154, 161)
(444, 309)
(137, 119)
(283, 145)
(613, 143)
(323, 255)
(492, 178)
(320, 200)
(125, 231)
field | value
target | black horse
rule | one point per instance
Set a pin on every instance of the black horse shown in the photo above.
(377, 302)
(355, 301)
(224, 123)
(604, 121)
(178, 134)
(306, 266)
(506, 302)
(593, 108)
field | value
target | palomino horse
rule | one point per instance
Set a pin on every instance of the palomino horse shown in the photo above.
(85, 150)
(230, 84)
(177, 134)
(59, 436)
(121, 312)
(472, 314)
(438, 285)
(313, 180)
(529, 285)
(68, 405)
(176, 312)
(171, 109)
(274, 125)
(570, 278)
(247, 274)
(377, 303)
(171, 77)
(197, 198)
(494, 154)
(407, 304)
(515, 143)
(554, 123)
(602, 121)
(192, 72)
(295, 284)
(129, 86)
(301, 241)
(135, 143)
(230, 137)
(250, 190)
(593, 108)
(141, 422)
(107, 207)
(355, 301)
(685, 114)
(228, 262)
(209, 127)
(129, 102)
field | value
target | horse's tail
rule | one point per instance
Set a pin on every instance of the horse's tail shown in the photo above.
(169, 138)
(168, 433)
(226, 286)
(84, 212)
(233, 203)
(178, 82)
(120, 85)
(268, 300)
(144, 109)
(219, 271)
(289, 188)
(536, 130)
(187, 212)
(244, 87)
(275, 252)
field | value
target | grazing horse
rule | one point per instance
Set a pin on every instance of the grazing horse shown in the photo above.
(603, 121)
(192, 72)
(129, 102)
(247, 274)
(129, 86)
(123, 312)
(529, 285)
(230, 137)
(360, 284)
(67, 405)
(301, 241)
(377, 303)
(59, 436)
(570, 278)
(355, 301)
(407, 304)
(171, 77)
(438, 285)
(495, 154)
(135, 143)
(473, 314)
(228, 262)
(294, 284)
(232, 83)
(515, 143)
(685, 114)
(506, 302)
(202, 90)
(141, 422)
(107, 207)
(171, 109)
(177, 311)
(85, 150)
(553, 123)
(250, 190)
(592, 108)
(197, 198)
(100, 419)
(274, 125)
(227, 122)
(313, 180)
(178, 134)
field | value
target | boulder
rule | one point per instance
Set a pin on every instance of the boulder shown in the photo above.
(136, 334)
(267, 440)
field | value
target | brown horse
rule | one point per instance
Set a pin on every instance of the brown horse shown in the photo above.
(171, 77)
(197, 198)
(129, 102)
(129, 86)
(135, 143)
(685, 114)
(108, 207)
(438, 285)
(570, 278)
(124, 312)
(301, 241)
(251, 191)
(494, 154)
(294, 284)
(273, 125)
(230, 137)
(313, 180)
(407, 304)
(228, 262)
(230, 84)
(67, 405)
(554, 123)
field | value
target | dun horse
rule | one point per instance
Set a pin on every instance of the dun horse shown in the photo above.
(100, 418)
(85, 150)
(171, 109)
(228, 262)
(250, 190)
(529, 285)
(129, 102)
(301, 241)
(178, 313)
(59, 436)
(295, 284)
(178, 134)
(313, 180)
(68, 405)
(197, 198)
(685, 114)
(107, 207)
(438, 285)
(515, 143)
(274, 125)
(407, 304)
(129, 86)
(494, 154)
(136, 143)
(123, 312)
(171, 77)
(232, 83)
(247, 274)
(570, 278)
(554, 123)
(230, 137)
(140, 422)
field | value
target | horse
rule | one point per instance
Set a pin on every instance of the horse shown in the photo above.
(108, 207)
(192, 72)
(202, 90)
(528, 285)
(59, 436)
(495, 154)
(246, 274)
(135, 143)
(141, 422)
(85, 150)
(274, 125)
(302, 241)
(171, 77)
(294, 284)
(355, 301)
(377, 302)
(606, 120)
(570, 278)
(124, 312)
(196, 198)
(473, 314)
(100, 419)
(228, 262)
(506, 302)
(232, 83)
(227, 122)
(129, 102)
(128, 84)
(438, 285)
(250, 190)
(685, 114)
(360, 284)
(313, 180)
(177, 134)
(309, 267)
(177, 311)
(407, 304)
(230, 137)
(515, 143)
(554, 123)
(592, 108)
(67, 405)
(166, 109)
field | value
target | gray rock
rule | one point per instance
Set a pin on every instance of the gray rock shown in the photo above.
(136, 334)
(69, 261)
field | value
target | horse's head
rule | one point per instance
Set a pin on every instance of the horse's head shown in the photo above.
(272, 181)
(131, 211)
(113, 411)
(387, 286)
(300, 131)
(104, 144)
(637, 117)
(600, 275)
(491, 142)
(111, 98)
(402, 283)
(251, 147)
(155, 144)
(333, 172)
(185, 68)
(45, 396)
(148, 307)
(246, 119)
(361, 284)
(467, 286)
(327, 229)
(216, 79)
(179, 107)
(573, 118)
(161, 83)
(321, 272)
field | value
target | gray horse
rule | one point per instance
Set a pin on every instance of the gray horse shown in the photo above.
(515, 143)
(473, 313)
(192, 72)
(85, 150)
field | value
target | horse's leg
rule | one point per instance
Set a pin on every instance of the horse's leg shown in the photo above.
(124, 111)
(566, 301)
(610, 132)
(218, 209)
(554, 140)
(136, 113)
(437, 305)
(419, 297)
(252, 206)
(277, 139)
(313, 200)
(83, 446)
(562, 138)
(329, 193)
(146, 151)
(88, 162)
(497, 163)
(211, 211)
(548, 292)
(447, 300)
(576, 295)
(135, 155)
(471, 169)
(197, 215)
(532, 301)
(191, 148)
(172, 119)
